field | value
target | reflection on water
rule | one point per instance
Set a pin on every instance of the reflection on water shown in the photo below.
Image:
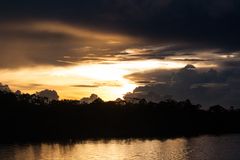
(205, 147)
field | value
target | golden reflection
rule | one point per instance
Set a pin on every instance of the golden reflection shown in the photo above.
(106, 150)
(203, 147)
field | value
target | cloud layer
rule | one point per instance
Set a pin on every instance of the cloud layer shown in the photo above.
(68, 32)
(211, 23)
(204, 87)
(53, 43)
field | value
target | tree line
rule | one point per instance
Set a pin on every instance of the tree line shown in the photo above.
(25, 117)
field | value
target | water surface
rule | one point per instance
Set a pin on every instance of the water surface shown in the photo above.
(200, 148)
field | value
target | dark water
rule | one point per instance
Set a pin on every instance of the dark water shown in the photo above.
(200, 148)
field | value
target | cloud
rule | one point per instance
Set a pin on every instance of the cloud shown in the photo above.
(83, 86)
(50, 94)
(200, 86)
(4, 88)
(99, 84)
(52, 43)
(88, 100)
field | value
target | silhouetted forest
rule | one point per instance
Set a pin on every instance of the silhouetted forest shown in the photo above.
(25, 117)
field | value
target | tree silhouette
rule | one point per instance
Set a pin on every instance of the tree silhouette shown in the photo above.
(28, 117)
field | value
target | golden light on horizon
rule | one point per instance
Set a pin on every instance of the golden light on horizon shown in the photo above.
(73, 82)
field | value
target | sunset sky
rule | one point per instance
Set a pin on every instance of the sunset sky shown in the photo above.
(111, 47)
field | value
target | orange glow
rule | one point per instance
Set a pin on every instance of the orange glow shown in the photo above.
(108, 80)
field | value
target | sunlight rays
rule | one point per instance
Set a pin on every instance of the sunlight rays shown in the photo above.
(108, 80)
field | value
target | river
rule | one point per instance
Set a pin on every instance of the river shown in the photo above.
(225, 147)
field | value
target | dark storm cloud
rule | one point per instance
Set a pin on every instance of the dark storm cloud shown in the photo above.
(210, 23)
(205, 87)
(184, 26)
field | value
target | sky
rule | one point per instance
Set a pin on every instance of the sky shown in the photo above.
(149, 49)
